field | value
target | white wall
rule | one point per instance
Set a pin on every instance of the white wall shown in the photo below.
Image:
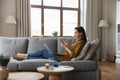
(8, 7)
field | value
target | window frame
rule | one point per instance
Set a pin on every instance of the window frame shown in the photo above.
(61, 8)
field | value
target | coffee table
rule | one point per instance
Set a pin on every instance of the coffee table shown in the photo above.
(56, 72)
(25, 76)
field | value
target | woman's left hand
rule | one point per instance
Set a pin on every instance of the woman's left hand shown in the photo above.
(64, 43)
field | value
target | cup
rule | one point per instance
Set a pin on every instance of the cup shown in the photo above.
(51, 62)
(47, 65)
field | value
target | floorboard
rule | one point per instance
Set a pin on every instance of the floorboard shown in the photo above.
(110, 71)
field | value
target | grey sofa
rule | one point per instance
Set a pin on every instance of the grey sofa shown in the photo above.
(84, 69)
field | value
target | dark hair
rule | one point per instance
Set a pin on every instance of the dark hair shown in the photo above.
(81, 29)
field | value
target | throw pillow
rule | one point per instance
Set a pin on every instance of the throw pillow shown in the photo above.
(92, 51)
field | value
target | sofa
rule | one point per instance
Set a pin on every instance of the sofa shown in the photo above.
(85, 69)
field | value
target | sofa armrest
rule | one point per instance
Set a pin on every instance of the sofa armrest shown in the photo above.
(81, 65)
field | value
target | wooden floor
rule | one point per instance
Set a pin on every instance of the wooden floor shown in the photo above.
(110, 71)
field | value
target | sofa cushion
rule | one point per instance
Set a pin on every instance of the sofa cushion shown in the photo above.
(83, 52)
(92, 50)
(38, 43)
(13, 65)
(9, 45)
(81, 65)
(60, 49)
(32, 64)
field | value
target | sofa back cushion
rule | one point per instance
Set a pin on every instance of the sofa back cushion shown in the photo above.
(9, 45)
(38, 43)
(61, 49)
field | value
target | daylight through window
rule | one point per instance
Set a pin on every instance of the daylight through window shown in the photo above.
(48, 16)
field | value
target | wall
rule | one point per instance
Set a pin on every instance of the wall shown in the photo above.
(7, 8)
(109, 34)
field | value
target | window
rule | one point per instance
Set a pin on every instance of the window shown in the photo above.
(48, 16)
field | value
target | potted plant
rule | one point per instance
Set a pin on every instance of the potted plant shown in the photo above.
(54, 34)
(4, 72)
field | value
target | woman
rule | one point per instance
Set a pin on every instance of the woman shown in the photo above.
(72, 52)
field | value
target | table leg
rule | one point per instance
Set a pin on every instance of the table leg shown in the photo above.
(54, 77)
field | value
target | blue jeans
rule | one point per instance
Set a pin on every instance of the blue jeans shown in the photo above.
(42, 53)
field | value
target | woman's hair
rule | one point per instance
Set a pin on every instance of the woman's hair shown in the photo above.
(81, 29)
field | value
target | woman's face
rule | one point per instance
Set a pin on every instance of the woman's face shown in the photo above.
(77, 34)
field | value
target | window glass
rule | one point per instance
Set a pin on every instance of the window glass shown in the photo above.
(70, 3)
(52, 2)
(35, 2)
(69, 22)
(51, 21)
(35, 22)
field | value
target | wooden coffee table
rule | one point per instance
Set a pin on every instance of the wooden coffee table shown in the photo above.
(25, 76)
(56, 72)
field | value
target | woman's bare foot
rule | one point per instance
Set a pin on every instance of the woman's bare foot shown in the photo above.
(19, 56)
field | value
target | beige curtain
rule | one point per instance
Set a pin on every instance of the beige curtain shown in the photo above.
(92, 19)
(23, 18)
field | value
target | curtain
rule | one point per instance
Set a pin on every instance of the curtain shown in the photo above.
(83, 13)
(23, 18)
(93, 16)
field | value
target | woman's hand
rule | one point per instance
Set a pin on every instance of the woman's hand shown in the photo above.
(64, 43)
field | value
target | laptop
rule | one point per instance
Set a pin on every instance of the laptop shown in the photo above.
(47, 48)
